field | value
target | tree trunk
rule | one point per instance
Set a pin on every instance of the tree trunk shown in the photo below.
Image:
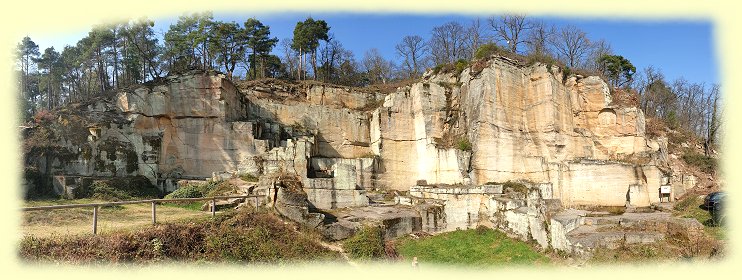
(115, 61)
(314, 64)
(298, 69)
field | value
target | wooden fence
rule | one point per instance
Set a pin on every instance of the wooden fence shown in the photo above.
(154, 203)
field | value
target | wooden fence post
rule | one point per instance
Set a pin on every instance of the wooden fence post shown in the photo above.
(154, 212)
(213, 208)
(153, 201)
(95, 220)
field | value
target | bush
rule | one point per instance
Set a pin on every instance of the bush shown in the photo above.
(542, 58)
(248, 178)
(187, 191)
(704, 163)
(101, 190)
(259, 237)
(37, 185)
(515, 187)
(460, 65)
(443, 68)
(368, 243)
(486, 50)
(222, 188)
(238, 236)
(194, 190)
(464, 144)
(118, 188)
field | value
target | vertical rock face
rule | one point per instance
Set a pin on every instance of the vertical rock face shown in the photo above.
(522, 123)
(191, 121)
(337, 116)
(502, 122)
(189, 127)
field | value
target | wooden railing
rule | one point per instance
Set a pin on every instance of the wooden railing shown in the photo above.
(154, 203)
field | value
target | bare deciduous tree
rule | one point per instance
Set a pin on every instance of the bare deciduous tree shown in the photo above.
(447, 43)
(571, 45)
(475, 37)
(539, 37)
(413, 49)
(290, 57)
(511, 29)
(377, 68)
(597, 50)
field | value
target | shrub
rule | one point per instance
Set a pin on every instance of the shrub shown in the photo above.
(187, 191)
(368, 243)
(248, 178)
(566, 71)
(259, 237)
(486, 50)
(671, 120)
(37, 185)
(542, 58)
(514, 187)
(238, 236)
(118, 188)
(460, 65)
(194, 190)
(443, 68)
(704, 163)
(654, 127)
(101, 190)
(464, 144)
(222, 188)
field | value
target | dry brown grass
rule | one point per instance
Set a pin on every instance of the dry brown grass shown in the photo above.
(75, 221)
(241, 236)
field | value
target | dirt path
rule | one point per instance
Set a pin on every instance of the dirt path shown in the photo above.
(340, 250)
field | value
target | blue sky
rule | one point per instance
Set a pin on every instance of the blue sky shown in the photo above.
(679, 48)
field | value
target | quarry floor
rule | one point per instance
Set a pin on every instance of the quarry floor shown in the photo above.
(599, 228)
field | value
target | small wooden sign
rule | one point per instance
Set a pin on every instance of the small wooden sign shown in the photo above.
(665, 189)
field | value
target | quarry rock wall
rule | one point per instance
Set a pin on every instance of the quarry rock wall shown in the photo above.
(503, 122)
(519, 123)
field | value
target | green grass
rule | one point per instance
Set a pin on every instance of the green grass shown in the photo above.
(464, 144)
(248, 178)
(690, 208)
(195, 206)
(366, 244)
(703, 162)
(648, 254)
(474, 247)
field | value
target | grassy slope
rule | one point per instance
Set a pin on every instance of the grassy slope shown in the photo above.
(690, 207)
(474, 247)
(79, 220)
(234, 236)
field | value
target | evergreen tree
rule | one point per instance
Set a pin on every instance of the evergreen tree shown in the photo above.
(260, 43)
(307, 35)
(617, 69)
(228, 42)
(26, 51)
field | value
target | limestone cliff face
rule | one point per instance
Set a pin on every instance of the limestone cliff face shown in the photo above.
(523, 123)
(191, 126)
(502, 122)
(336, 115)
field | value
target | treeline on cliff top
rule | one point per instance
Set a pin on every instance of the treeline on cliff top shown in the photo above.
(117, 55)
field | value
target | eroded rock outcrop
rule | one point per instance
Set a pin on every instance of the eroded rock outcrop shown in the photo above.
(520, 123)
(503, 122)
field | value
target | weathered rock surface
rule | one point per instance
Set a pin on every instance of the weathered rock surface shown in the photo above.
(292, 203)
(395, 221)
(523, 123)
(505, 122)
